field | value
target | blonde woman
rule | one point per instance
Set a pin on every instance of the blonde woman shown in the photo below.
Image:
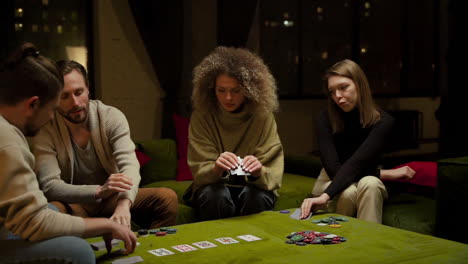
(234, 97)
(352, 133)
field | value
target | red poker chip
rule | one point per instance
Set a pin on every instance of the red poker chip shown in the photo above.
(162, 233)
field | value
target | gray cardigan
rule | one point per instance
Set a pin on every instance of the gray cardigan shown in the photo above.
(114, 147)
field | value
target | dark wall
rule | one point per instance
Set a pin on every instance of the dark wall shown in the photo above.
(160, 25)
(453, 111)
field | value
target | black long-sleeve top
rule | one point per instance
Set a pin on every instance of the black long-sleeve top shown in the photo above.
(353, 153)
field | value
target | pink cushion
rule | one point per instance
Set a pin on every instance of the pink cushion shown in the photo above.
(426, 173)
(181, 127)
(183, 170)
(142, 157)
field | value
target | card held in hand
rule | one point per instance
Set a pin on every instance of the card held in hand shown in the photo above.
(239, 171)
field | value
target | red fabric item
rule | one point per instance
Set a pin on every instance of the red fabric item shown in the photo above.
(426, 173)
(181, 127)
(142, 157)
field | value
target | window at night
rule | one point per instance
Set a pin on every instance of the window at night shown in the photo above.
(60, 29)
(395, 42)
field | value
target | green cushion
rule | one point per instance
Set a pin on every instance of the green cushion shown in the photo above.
(163, 163)
(366, 243)
(460, 160)
(178, 186)
(307, 165)
(410, 212)
(186, 213)
(293, 191)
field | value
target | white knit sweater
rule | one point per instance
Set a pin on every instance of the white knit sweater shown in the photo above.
(23, 207)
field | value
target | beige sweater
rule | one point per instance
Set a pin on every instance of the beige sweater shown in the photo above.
(23, 207)
(244, 133)
(54, 154)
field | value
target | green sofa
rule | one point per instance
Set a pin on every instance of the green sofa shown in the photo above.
(403, 210)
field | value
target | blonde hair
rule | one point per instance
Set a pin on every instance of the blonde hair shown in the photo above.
(248, 69)
(368, 111)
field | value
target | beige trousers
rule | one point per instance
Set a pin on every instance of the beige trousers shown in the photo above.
(364, 197)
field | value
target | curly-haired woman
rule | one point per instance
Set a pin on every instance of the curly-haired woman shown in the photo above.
(352, 134)
(234, 97)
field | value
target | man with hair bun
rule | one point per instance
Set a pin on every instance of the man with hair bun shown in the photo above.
(30, 85)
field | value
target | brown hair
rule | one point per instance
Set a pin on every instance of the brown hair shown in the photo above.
(26, 73)
(248, 69)
(67, 66)
(368, 111)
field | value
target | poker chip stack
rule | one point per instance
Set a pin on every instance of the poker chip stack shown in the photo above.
(142, 232)
(303, 238)
(331, 221)
(168, 230)
(158, 232)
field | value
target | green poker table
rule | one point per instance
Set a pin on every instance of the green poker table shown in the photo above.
(365, 243)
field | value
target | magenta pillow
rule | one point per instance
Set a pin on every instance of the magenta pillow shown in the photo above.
(426, 173)
(181, 125)
(142, 157)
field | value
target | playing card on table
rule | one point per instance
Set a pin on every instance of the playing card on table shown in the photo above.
(204, 244)
(130, 260)
(161, 252)
(297, 215)
(184, 248)
(226, 240)
(249, 238)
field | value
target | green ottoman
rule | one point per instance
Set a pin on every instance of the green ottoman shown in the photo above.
(366, 243)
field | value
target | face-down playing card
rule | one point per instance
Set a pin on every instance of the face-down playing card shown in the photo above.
(249, 238)
(297, 215)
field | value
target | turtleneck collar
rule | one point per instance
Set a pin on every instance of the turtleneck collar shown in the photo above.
(234, 117)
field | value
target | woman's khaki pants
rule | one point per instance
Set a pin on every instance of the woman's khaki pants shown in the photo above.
(364, 198)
